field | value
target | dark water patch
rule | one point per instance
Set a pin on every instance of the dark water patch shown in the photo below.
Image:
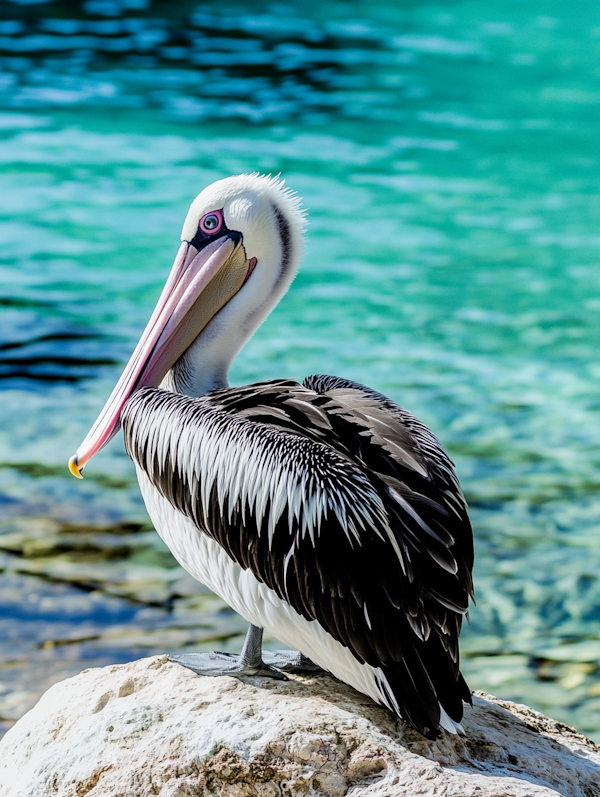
(23, 301)
(21, 377)
(54, 360)
(57, 336)
(46, 358)
(50, 357)
(198, 64)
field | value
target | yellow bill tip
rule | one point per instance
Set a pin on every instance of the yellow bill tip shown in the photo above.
(74, 468)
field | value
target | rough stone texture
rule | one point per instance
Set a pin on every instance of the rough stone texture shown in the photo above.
(154, 728)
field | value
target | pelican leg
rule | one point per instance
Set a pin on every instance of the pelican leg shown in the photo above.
(251, 661)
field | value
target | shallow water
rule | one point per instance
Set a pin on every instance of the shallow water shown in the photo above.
(448, 157)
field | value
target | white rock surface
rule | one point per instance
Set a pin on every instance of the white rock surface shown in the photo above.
(154, 728)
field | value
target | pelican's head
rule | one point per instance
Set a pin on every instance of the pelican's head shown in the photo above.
(240, 250)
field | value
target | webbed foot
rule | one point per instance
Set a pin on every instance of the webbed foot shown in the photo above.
(251, 661)
(290, 661)
(217, 663)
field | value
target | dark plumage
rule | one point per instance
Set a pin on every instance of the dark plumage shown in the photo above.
(386, 569)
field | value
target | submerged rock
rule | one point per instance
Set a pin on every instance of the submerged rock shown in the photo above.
(154, 728)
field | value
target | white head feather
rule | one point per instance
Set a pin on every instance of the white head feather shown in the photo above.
(270, 218)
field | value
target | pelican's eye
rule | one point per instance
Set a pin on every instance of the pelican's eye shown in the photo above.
(212, 222)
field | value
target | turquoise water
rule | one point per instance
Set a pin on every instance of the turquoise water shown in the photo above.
(448, 156)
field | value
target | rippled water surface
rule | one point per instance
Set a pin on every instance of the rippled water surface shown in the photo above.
(448, 155)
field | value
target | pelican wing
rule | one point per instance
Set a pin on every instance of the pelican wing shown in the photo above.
(341, 502)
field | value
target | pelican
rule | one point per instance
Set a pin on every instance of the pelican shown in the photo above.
(322, 511)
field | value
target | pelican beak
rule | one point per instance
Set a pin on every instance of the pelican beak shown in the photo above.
(199, 285)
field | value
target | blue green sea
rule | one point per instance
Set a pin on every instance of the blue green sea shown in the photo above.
(447, 153)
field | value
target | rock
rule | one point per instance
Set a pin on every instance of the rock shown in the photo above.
(154, 728)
